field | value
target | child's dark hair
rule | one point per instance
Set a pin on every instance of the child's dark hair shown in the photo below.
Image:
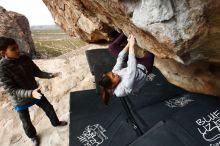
(5, 42)
(105, 85)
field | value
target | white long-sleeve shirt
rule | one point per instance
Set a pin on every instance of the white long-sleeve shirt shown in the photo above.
(132, 78)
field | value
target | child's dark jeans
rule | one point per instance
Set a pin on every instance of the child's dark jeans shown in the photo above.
(26, 120)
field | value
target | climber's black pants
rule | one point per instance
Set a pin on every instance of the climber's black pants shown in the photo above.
(116, 46)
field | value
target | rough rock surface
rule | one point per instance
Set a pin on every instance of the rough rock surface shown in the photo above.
(186, 31)
(16, 26)
(73, 17)
(198, 77)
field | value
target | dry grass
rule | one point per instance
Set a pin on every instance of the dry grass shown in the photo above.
(53, 43)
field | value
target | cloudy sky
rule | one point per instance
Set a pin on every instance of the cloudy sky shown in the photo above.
(35, 10)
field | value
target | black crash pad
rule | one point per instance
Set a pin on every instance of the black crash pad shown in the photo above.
(100, 61)
(168, 115)
(189, 120)
(98, 57)
(166, 133)
(92, 123)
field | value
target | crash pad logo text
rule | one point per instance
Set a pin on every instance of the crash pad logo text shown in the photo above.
(178, 102)
(209, 126)
(93, 135)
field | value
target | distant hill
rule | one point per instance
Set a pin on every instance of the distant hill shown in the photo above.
(45, 27)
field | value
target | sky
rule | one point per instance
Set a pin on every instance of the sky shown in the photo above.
(35, 10)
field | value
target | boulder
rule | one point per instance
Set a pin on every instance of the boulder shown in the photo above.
(75, 20)
(184, 33)
(16, 26)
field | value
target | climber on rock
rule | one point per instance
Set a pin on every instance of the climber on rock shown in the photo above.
(122, 81)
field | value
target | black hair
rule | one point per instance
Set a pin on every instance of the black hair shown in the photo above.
(105, 81)
(105, 84)
(5, 42)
